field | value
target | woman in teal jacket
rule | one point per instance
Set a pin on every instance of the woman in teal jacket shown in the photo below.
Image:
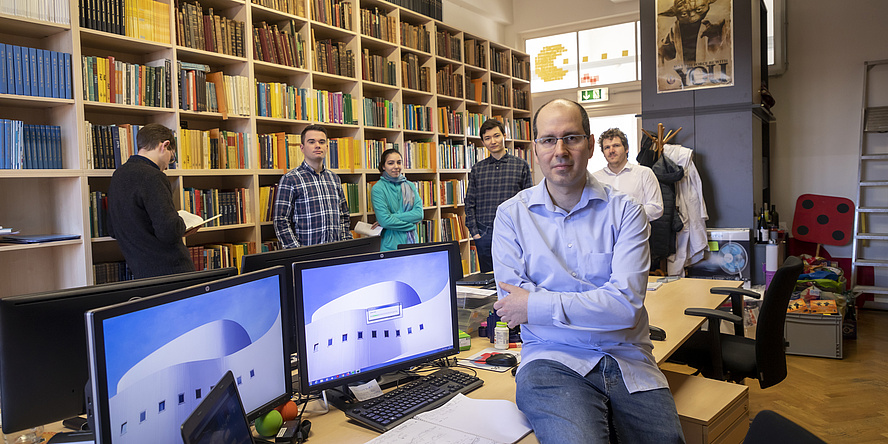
(396, 202)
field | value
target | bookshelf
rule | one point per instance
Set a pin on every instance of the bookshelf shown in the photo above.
(390, 77)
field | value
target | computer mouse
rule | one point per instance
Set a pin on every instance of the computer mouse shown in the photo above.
(502, 360)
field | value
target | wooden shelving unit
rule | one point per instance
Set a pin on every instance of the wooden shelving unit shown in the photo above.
(57, 201)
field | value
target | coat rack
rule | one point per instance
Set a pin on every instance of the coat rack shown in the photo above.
(660, 140)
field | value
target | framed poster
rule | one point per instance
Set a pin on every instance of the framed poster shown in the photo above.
(695, 44)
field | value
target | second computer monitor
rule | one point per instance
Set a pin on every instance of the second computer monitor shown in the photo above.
(362, 316)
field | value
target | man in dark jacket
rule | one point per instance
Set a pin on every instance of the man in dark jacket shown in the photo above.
(141, 210)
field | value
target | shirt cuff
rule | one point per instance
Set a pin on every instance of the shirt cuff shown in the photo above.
(539, 307)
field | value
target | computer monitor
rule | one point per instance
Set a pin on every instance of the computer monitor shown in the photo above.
(43, 365)
(455, 256)
(348, 247)
(363, 316)
(151, 361)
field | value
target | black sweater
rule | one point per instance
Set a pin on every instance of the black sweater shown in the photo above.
(144, 221)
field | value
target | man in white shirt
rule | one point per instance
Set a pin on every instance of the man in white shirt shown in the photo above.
(638, 181)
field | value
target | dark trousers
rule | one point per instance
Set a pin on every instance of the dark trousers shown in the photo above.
(482, 245)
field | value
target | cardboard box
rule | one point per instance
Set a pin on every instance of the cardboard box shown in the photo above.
(817, 335)
(729, 257)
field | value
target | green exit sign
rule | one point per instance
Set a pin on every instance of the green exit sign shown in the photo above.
(593, 95)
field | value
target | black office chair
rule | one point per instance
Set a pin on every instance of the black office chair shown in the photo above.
(735, 357)
(770, 427)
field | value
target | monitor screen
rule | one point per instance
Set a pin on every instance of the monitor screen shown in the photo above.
(152, 360)
(362, 316)
(260, 261)
(43, 365)
(455, 257)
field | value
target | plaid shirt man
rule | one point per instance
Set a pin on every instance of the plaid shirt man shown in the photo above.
(491, 183)
(310, 208)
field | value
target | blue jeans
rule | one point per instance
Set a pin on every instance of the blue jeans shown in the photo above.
(565, 407)
(483, 246)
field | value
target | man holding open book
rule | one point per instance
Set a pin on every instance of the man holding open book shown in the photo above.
(142, 215)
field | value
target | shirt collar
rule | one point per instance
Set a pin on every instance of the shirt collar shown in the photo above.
(593, 190)
(306, 167)
(608, 171)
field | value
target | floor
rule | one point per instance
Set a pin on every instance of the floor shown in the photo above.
(839, 400)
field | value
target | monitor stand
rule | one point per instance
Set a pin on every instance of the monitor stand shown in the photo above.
(343, 397)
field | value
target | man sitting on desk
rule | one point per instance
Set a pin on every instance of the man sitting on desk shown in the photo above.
(572, 260)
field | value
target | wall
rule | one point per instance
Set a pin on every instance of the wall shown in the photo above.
(819, 99)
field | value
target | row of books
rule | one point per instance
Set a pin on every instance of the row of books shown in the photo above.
(476, 53)
(453, 191)
(520, 68)
(521, 99)
(280, 151)
(343, 153)
(376, 23)
(449, 83)
(283, 45)
(520, 129)
(207, 31)
(213, 149)
(333, 58)
(351, 191)
(212, 256)
(447, 45)
(109, 80)
(416, 37)
(413, 75)
(139, 19)
(498, 61)
(98, 214)
(34, 72)
(499, 94)
(417, 155)
(373, 150)
(108, 272)
(453, 227)
(381, 112)
(201, 90)
(24, 146)
(377, 68)
(476, 90)
(295, 7)
(233, 205)
(336, 13)
(449, 121)
(109, 146)
(56, 11)
(267, 197)
(428, 8)
(417, 117)
(425, 189)
(455, 155)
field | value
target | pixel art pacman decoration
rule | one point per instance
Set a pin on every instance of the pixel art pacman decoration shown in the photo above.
(824, 220)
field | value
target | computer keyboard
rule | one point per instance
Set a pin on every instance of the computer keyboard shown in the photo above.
(426, 393)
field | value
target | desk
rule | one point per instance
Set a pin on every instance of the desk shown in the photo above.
(665, 308)
(667, 304)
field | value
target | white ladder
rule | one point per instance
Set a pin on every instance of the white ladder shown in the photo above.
(871, 219)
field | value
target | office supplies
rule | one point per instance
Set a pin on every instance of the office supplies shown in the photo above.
(501, 360)
(657, 333)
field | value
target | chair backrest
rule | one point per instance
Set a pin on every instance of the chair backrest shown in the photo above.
(770, 348)
(769, 427)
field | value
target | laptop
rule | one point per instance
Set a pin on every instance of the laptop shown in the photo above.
(220, 417)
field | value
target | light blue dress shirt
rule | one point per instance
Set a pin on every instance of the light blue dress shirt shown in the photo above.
(586, 270)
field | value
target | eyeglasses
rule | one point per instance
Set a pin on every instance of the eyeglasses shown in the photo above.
(173, 156)
(571, 141)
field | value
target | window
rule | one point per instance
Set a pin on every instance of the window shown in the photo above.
(161, 406)
(627, 123)
(344, 337)
(398, 333)
(181, 398)
(240, 380)
(386, 333)
(197, 394)
(123, 429)
(143, 416)
(360, 335)
(409, 330)
(252, 373)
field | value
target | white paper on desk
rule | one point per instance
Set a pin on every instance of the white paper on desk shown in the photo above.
(495, 419)
(414, 431)
(475, 293)
(365, 229)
